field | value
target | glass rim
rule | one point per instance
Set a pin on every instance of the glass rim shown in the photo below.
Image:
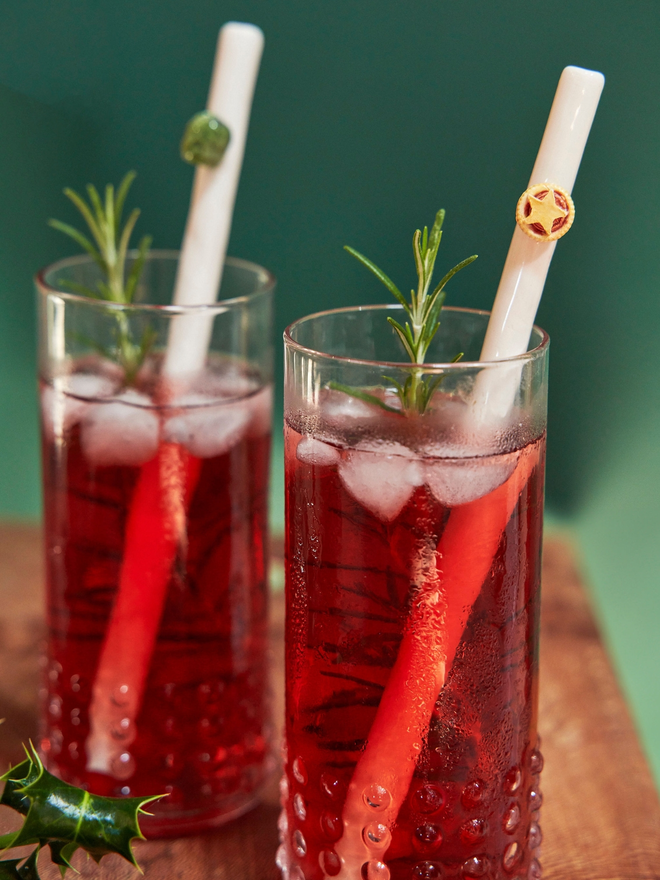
(267, 285)
(525, 357)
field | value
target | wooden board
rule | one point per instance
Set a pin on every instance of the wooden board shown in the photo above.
(601, 816)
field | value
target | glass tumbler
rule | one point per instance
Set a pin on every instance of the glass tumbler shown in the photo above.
(413, 562)
(155, 496)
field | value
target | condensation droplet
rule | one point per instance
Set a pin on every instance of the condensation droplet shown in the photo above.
(377, 797)
(477, 866)
(125, 790)
(299, 844)
(331, 826)
(55, 707)
(281, 859)
(299, 771)
(512, 856)
(56, 741)
(75, 683)
(284, 787)
(296, 873)
(428, 799)
(123, 766)
(376, 835)
(536, 761)
(427, 871)
(512, 780)
(120, 695)
(535, 835)
(535, 800)
(299, 807)
(124, 731)
(512, 819)
(374, 869)
(535, 872)
(330, 862)
(332, 787)
(427, 837)
(73, 750)
(473, 831)
(473, 794)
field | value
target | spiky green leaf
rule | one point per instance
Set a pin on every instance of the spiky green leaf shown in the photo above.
(68, 817)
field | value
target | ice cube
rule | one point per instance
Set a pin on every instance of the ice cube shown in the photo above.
(381, 476)
(208, 430)
(64, 402)
(340, 408)
(313, 451)
(457, 479)
(123, 431)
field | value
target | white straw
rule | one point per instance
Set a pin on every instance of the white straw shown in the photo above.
(528, 261)
(201, 263)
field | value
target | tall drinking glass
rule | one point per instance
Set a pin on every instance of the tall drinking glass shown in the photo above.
(413, 561)
(155, 496)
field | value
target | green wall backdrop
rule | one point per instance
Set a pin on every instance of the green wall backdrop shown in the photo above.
(369, 116)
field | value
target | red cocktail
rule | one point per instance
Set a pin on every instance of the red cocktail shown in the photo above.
(156, 546)
(413, 573)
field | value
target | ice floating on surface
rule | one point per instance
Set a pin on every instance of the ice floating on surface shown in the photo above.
(313, 451)
(341, 410)
(381, 476)
(457, 480)
(208, 430)
(123, 431)
(64, 402)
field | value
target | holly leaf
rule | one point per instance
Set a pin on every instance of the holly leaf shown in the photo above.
(67, 818)
(9, 869)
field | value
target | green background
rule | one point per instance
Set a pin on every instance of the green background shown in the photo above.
(369, 116)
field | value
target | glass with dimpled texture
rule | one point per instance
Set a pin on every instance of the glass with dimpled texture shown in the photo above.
(155, 506)
(413, 553)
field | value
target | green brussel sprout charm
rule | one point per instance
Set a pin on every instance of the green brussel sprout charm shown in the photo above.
(205, 140)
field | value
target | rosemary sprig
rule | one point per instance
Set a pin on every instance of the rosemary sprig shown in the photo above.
(423, 312)
(108, 247)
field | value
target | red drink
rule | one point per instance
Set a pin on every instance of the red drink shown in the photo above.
(359, 510)
(201, 729)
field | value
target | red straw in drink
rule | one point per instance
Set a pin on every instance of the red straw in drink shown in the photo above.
(447, 579)
(156, 525)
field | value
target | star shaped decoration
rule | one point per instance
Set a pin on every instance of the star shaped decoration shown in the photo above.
(545, 212)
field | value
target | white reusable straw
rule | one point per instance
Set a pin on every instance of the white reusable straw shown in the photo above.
(528, 261)
(395, 740)
(205, 240)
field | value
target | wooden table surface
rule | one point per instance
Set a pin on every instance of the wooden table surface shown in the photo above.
(601, 816)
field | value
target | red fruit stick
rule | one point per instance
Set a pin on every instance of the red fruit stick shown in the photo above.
(447, 580)
(156, 528)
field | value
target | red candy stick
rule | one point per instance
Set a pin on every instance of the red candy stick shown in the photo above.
(155, 531)
(447, 582)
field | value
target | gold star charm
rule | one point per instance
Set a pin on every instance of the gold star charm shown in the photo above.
(545, 212)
